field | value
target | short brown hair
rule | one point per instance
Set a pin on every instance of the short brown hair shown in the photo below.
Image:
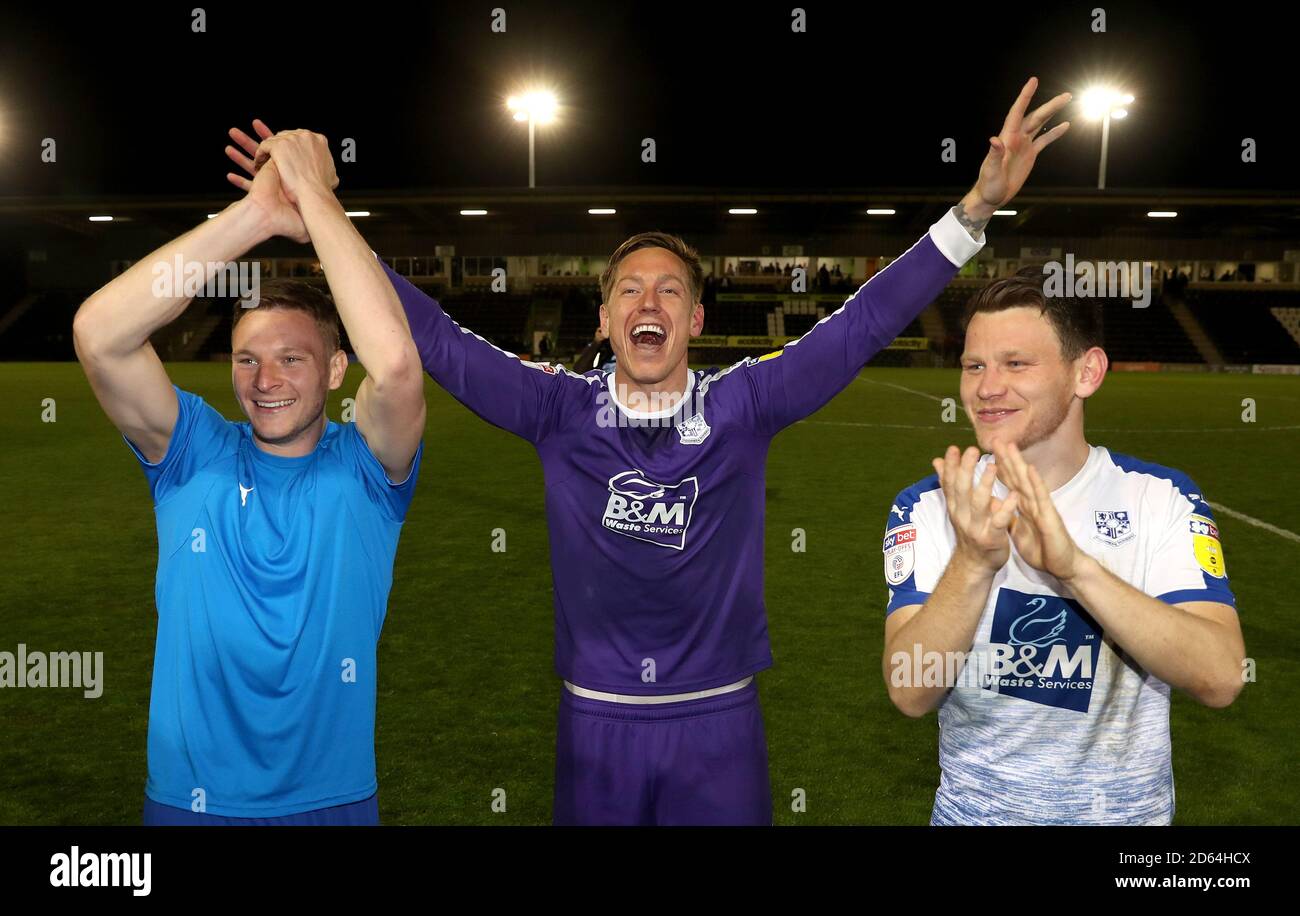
(1077, 322)
(675, 244)
(296, 294)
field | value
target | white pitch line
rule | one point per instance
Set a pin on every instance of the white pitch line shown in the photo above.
(1245, 427)
(1258, 523)
(1095, 429)
(1218, 507)
(924, 394)
(871, 425)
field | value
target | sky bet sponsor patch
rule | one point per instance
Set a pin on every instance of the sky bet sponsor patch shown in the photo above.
(900, 553)
(1043, 649)
(1205, 544)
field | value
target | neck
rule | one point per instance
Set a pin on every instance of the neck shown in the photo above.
(651, 396)
(302, 444)
(1060, 456)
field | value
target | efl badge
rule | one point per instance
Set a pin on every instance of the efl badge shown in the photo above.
(1113, 527)
(693, 430)
(900, 553)
(1205, 544)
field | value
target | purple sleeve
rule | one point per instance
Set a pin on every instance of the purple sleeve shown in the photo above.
(521, 397)
(794, 382)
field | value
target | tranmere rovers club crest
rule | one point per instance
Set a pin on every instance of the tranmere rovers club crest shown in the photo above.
(693, 430)
(1113, 526)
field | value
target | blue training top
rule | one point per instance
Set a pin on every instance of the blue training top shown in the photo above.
(273, 581)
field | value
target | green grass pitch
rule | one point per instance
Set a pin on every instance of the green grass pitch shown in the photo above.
(467, 693)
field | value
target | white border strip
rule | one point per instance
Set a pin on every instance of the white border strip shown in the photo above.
(664, 698)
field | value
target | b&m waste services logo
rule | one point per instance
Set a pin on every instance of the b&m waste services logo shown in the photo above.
(1044, 649)
(658, 513)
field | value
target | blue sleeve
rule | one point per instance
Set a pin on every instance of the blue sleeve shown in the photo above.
(914, 558)
(797, 380)
(1188, 561)
(201, 436)
(394, 498)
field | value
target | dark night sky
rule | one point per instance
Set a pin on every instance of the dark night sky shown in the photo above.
(138, 104)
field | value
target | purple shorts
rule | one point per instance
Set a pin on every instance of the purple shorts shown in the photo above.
(693, 762)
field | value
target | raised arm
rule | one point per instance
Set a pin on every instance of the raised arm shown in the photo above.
(520, 397)
(390, 402)
(112, 328)
(817, 366)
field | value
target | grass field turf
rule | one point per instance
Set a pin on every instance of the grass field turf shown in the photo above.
(467, 693)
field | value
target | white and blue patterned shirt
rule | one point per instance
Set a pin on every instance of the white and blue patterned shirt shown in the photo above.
(1051, 722)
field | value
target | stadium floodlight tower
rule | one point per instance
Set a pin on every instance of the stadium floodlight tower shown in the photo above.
(1104, 104)
(536, 107)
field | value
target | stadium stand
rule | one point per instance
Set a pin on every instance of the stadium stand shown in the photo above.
(1242, 323)
(43, 330)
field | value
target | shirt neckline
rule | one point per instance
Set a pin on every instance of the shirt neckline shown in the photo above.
(285, 461)
(650, 414)
(1064, 489)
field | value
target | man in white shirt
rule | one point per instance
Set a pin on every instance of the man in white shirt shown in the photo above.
(1047, 608)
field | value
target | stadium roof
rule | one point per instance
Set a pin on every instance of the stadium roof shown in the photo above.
(559, 215)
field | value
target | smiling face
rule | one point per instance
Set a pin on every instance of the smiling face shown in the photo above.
(650, 317)
(282, 371)
(1016, 385)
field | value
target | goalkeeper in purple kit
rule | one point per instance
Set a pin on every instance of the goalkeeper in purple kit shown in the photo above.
(655, 477)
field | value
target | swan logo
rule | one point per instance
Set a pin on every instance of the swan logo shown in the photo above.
(1044, 649)
(1031, 630)
(643, 509)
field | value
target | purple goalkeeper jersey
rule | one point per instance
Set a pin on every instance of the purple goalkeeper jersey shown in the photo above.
(656, 518)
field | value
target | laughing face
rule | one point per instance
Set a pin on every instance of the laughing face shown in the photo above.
(650, 318)
(282, 373)
(1016, 385)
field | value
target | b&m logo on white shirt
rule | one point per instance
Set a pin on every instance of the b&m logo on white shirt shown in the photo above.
(1044, 649)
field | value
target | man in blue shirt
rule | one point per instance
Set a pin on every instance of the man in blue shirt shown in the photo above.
(276, 536)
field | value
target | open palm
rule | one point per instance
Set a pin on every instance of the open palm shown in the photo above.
(264, 186)
(1013, 151)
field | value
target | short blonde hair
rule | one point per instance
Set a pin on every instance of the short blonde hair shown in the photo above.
(673, 243)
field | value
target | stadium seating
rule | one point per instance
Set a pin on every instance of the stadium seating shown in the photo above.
(1242, 323)
(44, 329)
(1246, 325)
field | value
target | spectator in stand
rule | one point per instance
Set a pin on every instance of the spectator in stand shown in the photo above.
(596, 355)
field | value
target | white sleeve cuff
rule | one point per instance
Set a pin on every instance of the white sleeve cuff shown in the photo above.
(953, 241)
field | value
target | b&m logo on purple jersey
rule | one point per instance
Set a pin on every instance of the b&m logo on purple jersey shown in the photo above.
(658, 513)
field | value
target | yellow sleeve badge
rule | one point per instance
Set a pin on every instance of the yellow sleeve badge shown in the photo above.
(1206, 546)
